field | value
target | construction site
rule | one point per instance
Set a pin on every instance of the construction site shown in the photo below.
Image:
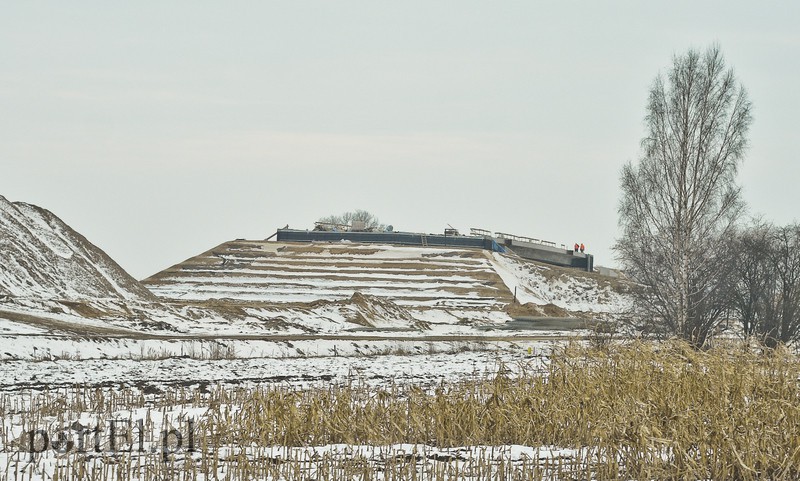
(394, 279)
(525, 247)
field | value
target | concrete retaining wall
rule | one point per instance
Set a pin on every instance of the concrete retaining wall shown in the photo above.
(401, 238)
(526, 250)
(549, 255)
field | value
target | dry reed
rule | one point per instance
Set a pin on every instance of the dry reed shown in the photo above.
(638, 411)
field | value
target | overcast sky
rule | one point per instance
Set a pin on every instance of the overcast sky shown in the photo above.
(161, 129)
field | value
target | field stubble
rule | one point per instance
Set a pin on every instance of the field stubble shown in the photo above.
(634, 411)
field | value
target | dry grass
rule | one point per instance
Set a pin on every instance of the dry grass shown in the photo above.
(546, 310)
(646, 413)
(639, 411)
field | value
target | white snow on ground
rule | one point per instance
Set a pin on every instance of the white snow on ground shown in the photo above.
(44, 258)
(153, 455)
(297, 262)
(64, 316)
(29, 384)
(240, 282)
(572, 292)
(374, 362)
(431, 284)
(376, 273)
(384, 303)
(311, 301)
(8, 327)
(330, 271)
(514, 283)
(307, 293)
(52, 272)
(277, 306)
(35, 346)
(69, 316)
(464, 463)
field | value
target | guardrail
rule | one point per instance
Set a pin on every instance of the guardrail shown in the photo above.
(473, 231)
(504, 235)
(330, 226)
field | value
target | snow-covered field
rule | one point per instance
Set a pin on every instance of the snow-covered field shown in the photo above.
(438, 285)
(399, 362)
(83, 345)
(270, 272)
(53, 278)
(37, 347)
(540, 284)
(72, 425)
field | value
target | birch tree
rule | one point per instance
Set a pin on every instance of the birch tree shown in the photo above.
(680, 201)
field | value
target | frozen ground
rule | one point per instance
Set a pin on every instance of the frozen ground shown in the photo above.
(42, 257)
(54, 279)
(61, 393)
(46, 348)
(415, 365)
(541, 285)
(76, 331)
(324, 287)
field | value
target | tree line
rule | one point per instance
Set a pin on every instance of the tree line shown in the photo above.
(699, 266)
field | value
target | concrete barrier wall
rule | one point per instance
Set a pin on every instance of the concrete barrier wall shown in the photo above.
(548, 255)
(402, 238)
(526, 250)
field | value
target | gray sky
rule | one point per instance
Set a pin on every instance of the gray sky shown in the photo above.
(161, 129)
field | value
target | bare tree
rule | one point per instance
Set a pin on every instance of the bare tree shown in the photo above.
(766, 287)
(782, 320)
(371, 222)
(753, 281)
(680, 201)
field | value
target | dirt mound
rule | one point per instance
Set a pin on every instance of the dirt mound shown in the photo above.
(545, 310)
(42, 257)
(373, 311)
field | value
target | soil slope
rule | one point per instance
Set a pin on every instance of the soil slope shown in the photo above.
(43, 258)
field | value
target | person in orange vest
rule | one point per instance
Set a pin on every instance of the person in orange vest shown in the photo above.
(576, 248)
(582, 247)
